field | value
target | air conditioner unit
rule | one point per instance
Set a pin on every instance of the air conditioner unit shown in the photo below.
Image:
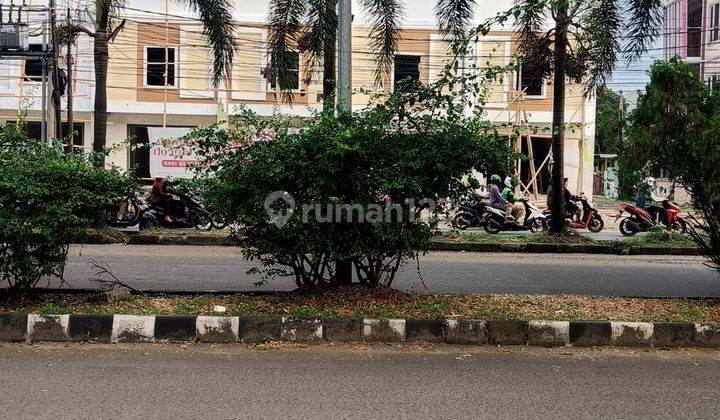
(13, 36)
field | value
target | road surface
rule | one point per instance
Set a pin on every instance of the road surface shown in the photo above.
(189, 268)
(218, 382)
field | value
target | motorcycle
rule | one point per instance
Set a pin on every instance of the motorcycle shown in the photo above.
(496, 220)
(186, 210)
(591, 218)
(641, 220)
(130, 212)
(470, 215)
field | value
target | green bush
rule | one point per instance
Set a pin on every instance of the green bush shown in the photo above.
(45, 198)
(414, 146)
(676, 126)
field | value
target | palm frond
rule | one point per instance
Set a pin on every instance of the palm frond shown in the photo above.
(385, 21)
(645, 18)
(533, 44)
(320, 31)
(218, 29)
(285, 21)
(454, 16)
(602, 29)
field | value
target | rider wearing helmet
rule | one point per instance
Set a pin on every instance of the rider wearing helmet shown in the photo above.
(496, 199)
(648, 196)
(516, 208)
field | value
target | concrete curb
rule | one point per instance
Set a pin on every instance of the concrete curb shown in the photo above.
(216, 329)
(537, 248)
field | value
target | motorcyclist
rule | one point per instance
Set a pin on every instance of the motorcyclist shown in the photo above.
(570, 199)
(515, 207)
(496, 200)
(648, 196)
(160, 198)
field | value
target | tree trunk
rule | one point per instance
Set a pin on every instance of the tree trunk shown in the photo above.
(329, 77)
(100, 53)
(557, 198)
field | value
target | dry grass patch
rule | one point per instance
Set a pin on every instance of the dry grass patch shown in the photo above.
(353, 302)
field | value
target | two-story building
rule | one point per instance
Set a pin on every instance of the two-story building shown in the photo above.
(141, 96)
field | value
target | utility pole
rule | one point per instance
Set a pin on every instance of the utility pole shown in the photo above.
(43, 106)
(343, 268)
(622, 120)
(70, 122)
(344, 55)
(56, 73)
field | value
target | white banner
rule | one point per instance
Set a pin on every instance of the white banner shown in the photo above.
(167, 158)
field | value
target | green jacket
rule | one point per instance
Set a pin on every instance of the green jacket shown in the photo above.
(508, 195)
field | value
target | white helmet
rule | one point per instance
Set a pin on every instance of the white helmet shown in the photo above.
(650, 181)
(508, 182)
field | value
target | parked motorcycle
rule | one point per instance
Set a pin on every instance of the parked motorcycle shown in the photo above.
(641, 220)
(496, 220)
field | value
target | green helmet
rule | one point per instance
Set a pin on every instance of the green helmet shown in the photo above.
(495, 179)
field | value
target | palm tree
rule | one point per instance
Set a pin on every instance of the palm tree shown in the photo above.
(582, 45)
(310, 26)
(217, 24)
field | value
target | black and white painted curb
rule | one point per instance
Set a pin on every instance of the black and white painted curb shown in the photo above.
(215, 329)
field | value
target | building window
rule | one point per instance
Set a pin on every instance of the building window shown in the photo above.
(33, 66)
(78, 135)
(406, 67)
(292, 60)
(531, 81)
(156, 58)
(715, 22)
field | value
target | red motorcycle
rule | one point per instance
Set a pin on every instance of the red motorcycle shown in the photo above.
(641, 220)
(591, 218)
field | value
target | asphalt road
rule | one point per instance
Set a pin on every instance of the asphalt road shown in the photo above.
(188, 268)
(219, 382)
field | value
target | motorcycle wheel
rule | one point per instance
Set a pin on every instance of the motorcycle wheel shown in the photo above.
(626, 228)
(219, 221)
(202, 221)
(596, 224)
(679, 226)
(461, 221)
(492, 227)
(149, 223)
(538, 225)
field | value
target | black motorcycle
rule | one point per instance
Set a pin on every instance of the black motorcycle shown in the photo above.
(471, 214)
(129, 212)
(185, 210)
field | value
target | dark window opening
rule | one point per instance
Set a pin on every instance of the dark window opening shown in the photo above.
(292, 80)
(34, 65)
(407, 67)
(155, 73)
(694, 25)
(78, 134)
(531, 81)
(541, 148)
(139, 150)
(715, 22)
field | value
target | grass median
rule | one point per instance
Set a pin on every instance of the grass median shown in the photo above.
(353, 302)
